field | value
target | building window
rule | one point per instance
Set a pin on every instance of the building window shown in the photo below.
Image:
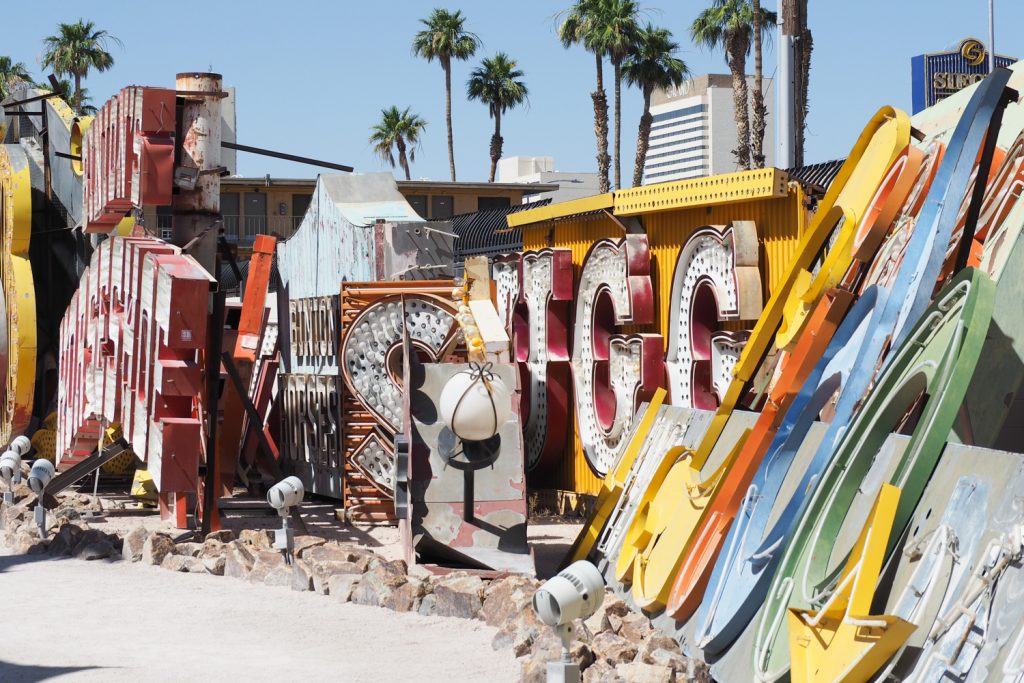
(166, 234)
(418, 203)
(229, 212)
(255, 221)
(300, 204)
(440, 207)
(493, 203)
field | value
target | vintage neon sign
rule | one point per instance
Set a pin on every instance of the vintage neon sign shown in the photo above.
(716, 278)
(613, 372)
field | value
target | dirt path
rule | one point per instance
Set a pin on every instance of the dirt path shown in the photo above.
(71, 620)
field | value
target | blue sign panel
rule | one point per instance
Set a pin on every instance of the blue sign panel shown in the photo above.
(936, 76)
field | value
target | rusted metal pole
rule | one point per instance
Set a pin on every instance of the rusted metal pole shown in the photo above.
(197, 209)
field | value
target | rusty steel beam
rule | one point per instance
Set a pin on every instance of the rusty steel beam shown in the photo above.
(247, 344)
(211, 518)
(197, 209)
(286, 157)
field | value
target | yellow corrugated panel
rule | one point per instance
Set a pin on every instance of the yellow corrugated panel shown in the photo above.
(561, 210)
(780, 223)
(728, 188)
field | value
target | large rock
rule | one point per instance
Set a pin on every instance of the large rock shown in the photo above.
(100, 550)
(191, 548)
(455, 595)
(613, 648)
(156, 547)
(238, 560)
(342, 586)
(634, 627)
(407, 597)
(532, 670)
(305, 542)
(257, 539)
(376, 585)
(280, 575)
(638, 672)
(601, 672)
(325, 561)
(215, 565)
(266, 561)
(134, 541)
(212, 548)
(302, 575)
(65, 540)
(184, 563)
(13, 515)
(506, 598)
(520, 633)
(613, 606)
(221, 536)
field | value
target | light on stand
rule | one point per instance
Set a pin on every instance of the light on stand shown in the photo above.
(575, 593)
(283, 496)
(38, 479)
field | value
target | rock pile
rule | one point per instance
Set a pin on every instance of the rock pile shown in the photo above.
(613, 645)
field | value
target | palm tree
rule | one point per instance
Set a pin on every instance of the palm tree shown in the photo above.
(729, 25)
(757, 100)
(445, 38)
(76, 49)
(12, 74)
(579, 27)
(652, 66)
(496, 83)
(617, 33)
(401, 130)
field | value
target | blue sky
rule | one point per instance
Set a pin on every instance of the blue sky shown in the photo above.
(312, 76)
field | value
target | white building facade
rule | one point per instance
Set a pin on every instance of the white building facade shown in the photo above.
(541, 171)
(694, 129)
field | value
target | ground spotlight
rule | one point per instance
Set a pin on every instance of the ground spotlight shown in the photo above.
(575, 593)
(10, 472)
(283, 496)
(38, 479)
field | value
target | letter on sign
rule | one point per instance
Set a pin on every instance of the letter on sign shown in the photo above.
(613, 372)
(542, 349)
(716, 279)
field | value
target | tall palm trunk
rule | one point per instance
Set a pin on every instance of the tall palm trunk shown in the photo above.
(643, 138)
(617, 67)
(403, 160)
(496, 144)
(737, 65)
(757, 99)
(78, 93)
(601, 127)
(448, 115)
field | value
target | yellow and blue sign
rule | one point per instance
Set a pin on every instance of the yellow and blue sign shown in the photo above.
(936, 76)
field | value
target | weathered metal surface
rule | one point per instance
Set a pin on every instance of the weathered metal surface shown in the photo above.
(313, 337)
(467, 499)
(311, 438)
(131, 343)
(127, 156)
(196, 213)
(336, 240)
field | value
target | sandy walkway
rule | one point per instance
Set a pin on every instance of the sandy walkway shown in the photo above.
(93, 621)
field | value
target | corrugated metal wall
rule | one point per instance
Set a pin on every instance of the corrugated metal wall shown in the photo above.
(780, 223)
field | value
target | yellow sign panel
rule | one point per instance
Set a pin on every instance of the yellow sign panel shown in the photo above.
(841, 642)
(18, 291)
